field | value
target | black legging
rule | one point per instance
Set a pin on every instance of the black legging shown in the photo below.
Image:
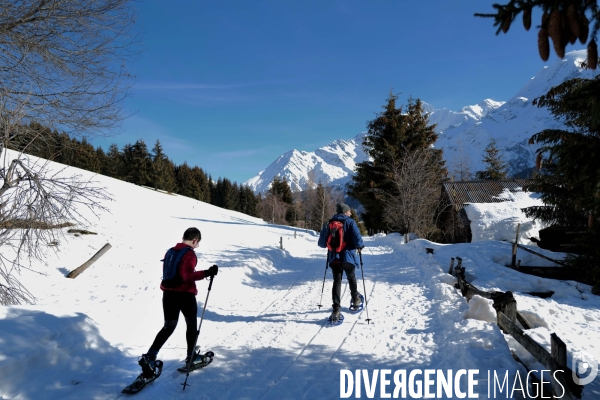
(336, 292)
(173, 303)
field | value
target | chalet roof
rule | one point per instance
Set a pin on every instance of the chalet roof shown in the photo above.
(462, 192)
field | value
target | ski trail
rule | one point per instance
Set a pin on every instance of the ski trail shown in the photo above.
(320, 347)
(257, 316)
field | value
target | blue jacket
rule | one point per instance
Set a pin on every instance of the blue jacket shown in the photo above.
(352, 237)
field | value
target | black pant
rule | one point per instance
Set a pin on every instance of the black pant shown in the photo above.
(336, 292)
(173, 303)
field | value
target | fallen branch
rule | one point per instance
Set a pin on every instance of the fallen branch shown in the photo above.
(75, 273)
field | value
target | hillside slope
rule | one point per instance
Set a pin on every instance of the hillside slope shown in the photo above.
(82, 339)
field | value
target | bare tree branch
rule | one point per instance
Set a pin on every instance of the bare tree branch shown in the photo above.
(62, 67)
(413, 204)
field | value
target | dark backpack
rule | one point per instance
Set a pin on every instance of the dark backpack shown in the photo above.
(335, 239)
(171, 265)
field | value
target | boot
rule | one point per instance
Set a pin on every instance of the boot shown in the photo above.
(148, 363)
(335, 315)
(356, 301)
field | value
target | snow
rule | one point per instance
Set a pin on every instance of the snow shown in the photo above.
(271, 341)
(499, 221)
(332, 165)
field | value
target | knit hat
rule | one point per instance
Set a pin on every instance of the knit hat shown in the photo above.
(341, 208)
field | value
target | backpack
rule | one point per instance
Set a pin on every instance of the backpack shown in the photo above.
(171, 275)
(335, 239)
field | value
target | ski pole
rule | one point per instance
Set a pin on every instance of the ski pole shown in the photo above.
(189, 364)
(324, 275)
(364, 287)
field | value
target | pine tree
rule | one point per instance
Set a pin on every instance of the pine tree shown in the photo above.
(114, 162)
(496, 168)
(282, 190)
(162, 170)
(186, 183)
(569, 176)
(202, 179)
(390, 135)
(141, 167)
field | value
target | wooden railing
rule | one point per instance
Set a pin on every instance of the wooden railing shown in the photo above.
(507, 315)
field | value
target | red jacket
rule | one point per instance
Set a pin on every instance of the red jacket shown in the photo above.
(188, 272)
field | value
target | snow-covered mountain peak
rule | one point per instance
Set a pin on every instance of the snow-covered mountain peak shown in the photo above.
(480, 110)
(332, 164)
(464, 134)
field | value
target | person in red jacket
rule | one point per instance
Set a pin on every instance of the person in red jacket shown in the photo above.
(181, 298)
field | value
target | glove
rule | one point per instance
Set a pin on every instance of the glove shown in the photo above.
(212, 271)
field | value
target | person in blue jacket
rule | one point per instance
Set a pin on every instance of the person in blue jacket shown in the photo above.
(345, 261)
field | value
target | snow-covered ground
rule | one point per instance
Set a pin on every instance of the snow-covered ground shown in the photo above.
(82, 338)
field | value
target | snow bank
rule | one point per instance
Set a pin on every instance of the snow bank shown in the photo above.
(498, 221)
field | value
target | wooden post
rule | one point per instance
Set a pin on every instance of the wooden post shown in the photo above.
(458, 266)
(506, 304)
(75, 273)
(294, 234)
(281, 242)
(514, 249)
(405, 238)
(558, 350)
(451, 266)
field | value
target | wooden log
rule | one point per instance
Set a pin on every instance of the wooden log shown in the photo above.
(75, 273)
(543, 295)
(559, 385)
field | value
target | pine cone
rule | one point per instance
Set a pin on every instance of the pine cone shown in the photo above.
(573, 20)
(544, 19)
(543, 44)
(584, 28)
(592, 53)
(538, 162)
(591, 220)
(555, 31)
(527, 18)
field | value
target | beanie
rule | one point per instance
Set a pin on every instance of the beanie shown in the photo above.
(341, 208)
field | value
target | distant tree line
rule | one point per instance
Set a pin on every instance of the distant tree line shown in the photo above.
(308, 209)
(136, 164)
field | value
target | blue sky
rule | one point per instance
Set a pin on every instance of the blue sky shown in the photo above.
(231, 85)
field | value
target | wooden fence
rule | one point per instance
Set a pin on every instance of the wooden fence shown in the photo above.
(507, 316)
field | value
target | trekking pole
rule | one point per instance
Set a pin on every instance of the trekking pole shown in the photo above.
(324, 275)
(364, 287)
(189, 363)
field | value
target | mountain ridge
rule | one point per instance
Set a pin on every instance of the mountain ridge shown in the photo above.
(463, 135)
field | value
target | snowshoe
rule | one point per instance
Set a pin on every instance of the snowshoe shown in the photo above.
(354, 308)
(143, 379)
(336, 319)
(200, 361)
